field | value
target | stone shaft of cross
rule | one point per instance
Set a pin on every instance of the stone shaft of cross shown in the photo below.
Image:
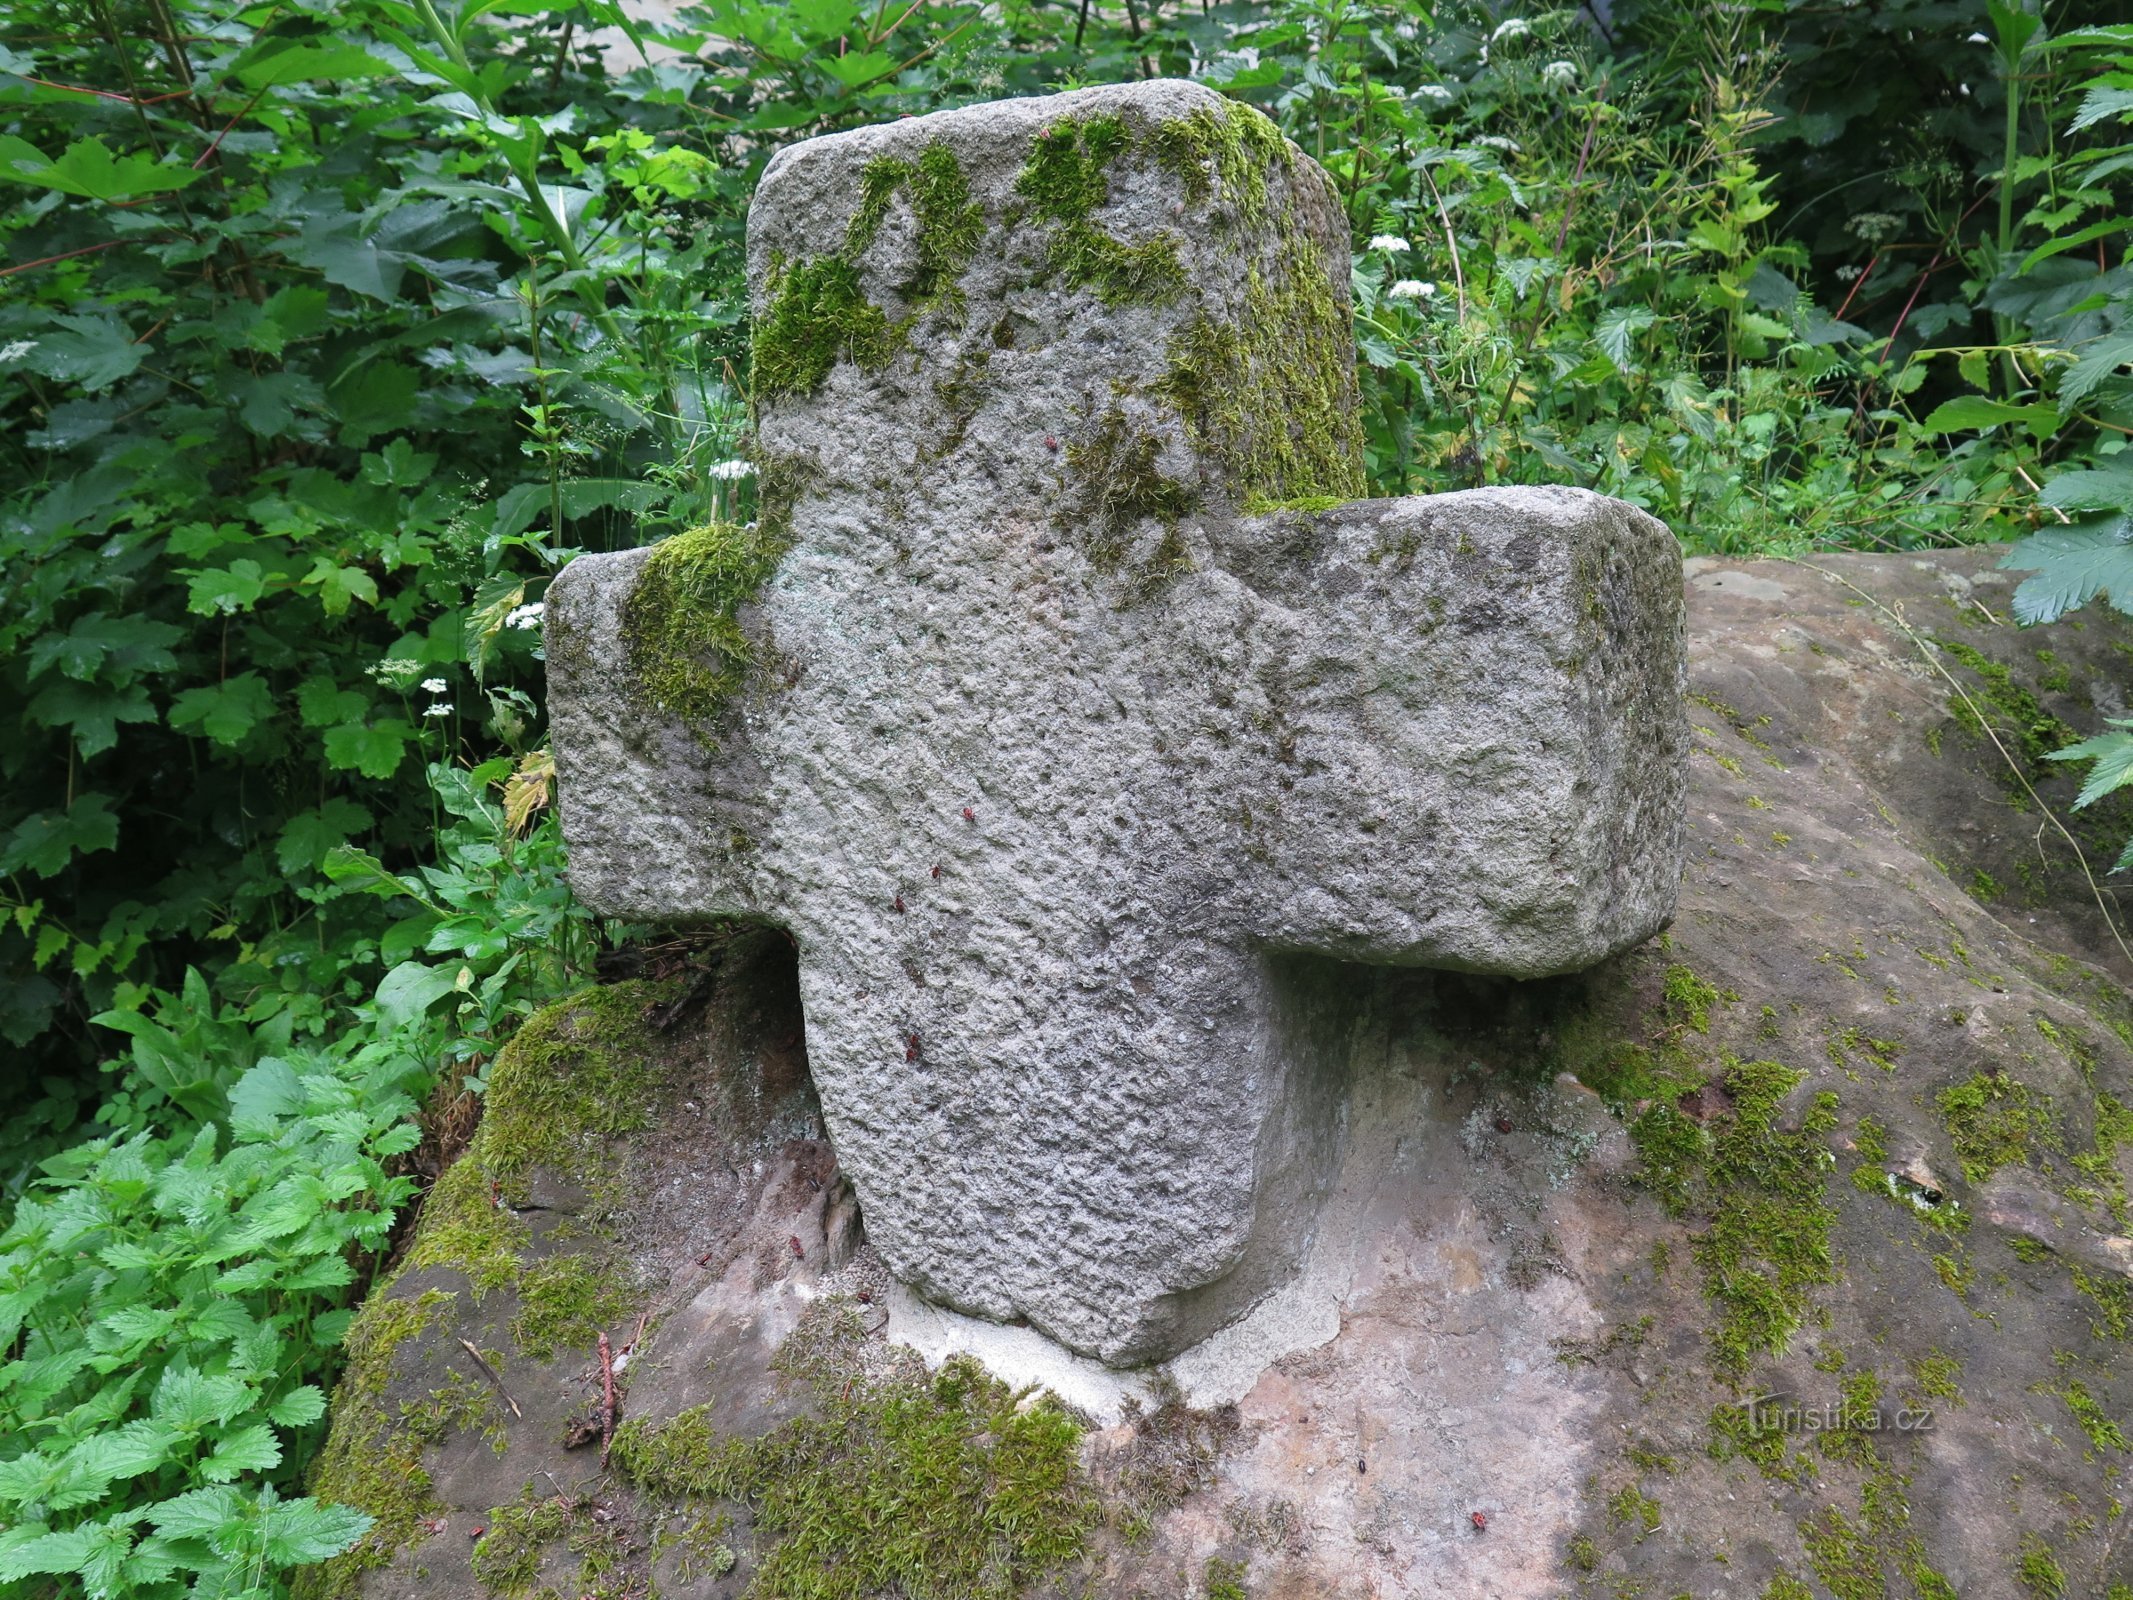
(1079, 722)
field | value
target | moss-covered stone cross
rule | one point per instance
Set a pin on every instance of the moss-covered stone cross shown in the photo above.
(1078, 721)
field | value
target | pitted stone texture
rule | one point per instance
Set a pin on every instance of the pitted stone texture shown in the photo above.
(1048, 806)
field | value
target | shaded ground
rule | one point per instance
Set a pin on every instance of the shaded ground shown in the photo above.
(1854, 1135)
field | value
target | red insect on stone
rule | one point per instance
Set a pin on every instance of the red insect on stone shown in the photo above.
(1050, 443)
(969, 815)
(1481, 1521)
(911, 1048)
(936, 869)
(1503, 1124)
(899, 902)
(798, 1254)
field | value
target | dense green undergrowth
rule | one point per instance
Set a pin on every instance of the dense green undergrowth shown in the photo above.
(334, 330)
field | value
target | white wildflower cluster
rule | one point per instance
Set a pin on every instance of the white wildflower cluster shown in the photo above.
(1510, 28)
(1874, 226)
(1434, 93)
(1389, 244)
(1847, 274)
(437, 708)
(731, 471)
(526, 616)
(15, 349)
(1496, 141)
(1560, 74)
(1412, 289)
(397, 672)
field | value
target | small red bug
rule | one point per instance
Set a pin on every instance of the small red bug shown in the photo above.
(1481, 1521)
(1503, 1124)
(1050, 443)
(899, 902)
(969, 815)
(911, 1048)
(798, 1254)
(936, 869)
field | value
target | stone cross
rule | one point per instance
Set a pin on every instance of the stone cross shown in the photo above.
(1077, 719)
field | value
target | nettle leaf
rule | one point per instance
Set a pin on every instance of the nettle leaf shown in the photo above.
(226, 711)
(1616, 333)
(88, 168)
(199, 1514)
(268, 1092)
(22, 1557)
(300, 1407)
(191, 1401)
(300, 1532)
(252, 1448)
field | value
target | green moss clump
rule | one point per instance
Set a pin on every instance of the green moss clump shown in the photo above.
(1582, 1555)
(2103, 1433)
(1995, 1122)
(1223, 154)
(2036, 732)
(507, 1557)
(818, 316)
(1224, 1580)
(1632, 1507)
(681, 623)
(1935, 1373)
(949, 1486)
(1740, 1431)
(1871, 1140)
(1067, 178)
(371, 1460)
(1760, 1191)
(565, 1301)
(1120, 487)
(1307, 504)
(2038, 1569)
(1784, 1586)
(575, 1076)
(819, 313)
(1272, 396)
(1685, 1000)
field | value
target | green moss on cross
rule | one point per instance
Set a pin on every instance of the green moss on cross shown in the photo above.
(681, 623)
(819, 313)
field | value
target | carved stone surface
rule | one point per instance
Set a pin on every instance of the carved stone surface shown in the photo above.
(1077, 707)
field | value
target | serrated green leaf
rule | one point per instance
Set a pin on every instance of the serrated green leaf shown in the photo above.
(373, 749)
(300, 1407)
(2113, 755)
(299, 1532)
(227, 711)
(410, 989)
(2071, 566)
(252, 1448)
(88, 168)
(1970, 411)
